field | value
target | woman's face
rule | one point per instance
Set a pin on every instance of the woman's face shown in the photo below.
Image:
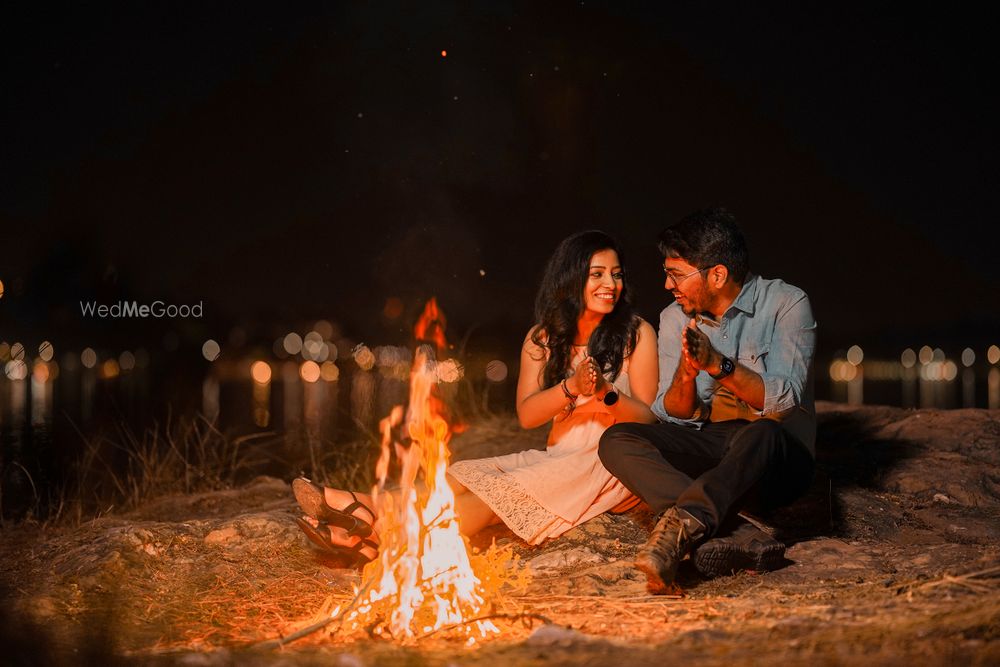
(604, 282)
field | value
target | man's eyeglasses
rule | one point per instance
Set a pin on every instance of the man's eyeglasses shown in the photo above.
(679, 279)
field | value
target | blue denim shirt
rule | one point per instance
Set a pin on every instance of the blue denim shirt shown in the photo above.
(769, 329)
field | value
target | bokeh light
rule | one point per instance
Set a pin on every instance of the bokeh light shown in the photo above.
(842, 370)
(496, 371)
(126, 360)
(46, 351)
(17, 352)
(393, 308)
(993, 354)
(1, 289)
(938, 354)
(448, 370)
(88, 358)
(314, 348)
(110, 369)
(926, 354)
(292, 343)
(210, 350)
(968, 357)
(363, 357)
(16, 369)
(324, 329)
(908, 358)
(40, 373)
(4, 352)
(329, 371)
(260, 371)
(855, 355)
(309, 371)
(949, 370)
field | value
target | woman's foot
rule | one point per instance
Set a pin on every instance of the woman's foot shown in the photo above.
(343, 509)
(336, 541)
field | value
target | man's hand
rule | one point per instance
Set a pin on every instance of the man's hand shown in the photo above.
(697, 351)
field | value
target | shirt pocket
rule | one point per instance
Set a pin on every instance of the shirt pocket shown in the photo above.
(753, 356)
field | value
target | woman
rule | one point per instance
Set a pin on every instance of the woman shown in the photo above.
(588, 363)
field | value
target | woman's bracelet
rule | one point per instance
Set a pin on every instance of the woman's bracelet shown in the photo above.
(570, 395)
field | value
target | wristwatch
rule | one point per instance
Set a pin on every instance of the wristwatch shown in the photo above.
(726, 367)
(611, 397)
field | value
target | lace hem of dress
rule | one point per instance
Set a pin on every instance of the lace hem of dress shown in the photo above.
(522, 513)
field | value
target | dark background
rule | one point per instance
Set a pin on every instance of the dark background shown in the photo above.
(284, 164)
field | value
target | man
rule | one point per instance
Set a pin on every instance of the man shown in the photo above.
(736, 402)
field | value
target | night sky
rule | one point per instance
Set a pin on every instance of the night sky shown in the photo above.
(286, 164)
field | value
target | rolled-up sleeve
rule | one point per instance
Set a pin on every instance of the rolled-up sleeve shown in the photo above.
(790, 356)
(668, 341)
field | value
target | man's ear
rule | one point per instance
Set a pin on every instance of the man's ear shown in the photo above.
(720, 275)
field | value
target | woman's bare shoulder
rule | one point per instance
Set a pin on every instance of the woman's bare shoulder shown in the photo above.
(644, 328)
(534, 342)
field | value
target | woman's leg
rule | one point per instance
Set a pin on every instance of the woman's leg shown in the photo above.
(473, 514)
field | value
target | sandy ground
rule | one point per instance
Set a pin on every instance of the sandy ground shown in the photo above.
(893, 558)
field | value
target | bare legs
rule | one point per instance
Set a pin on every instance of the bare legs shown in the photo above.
(473, 514)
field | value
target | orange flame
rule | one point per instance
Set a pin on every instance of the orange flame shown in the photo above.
(423, 578)
(431, 325)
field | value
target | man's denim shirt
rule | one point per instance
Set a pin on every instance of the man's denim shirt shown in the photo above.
(769, 329)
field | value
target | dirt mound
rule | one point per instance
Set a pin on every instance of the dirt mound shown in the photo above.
(892, 558)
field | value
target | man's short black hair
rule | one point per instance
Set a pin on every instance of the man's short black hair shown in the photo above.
(706, 238)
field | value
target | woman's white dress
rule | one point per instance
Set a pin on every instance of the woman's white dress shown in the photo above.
(541, 494)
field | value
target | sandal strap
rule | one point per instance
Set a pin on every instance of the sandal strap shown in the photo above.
(357, 504)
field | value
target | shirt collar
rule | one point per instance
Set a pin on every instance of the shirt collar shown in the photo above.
(747, 298)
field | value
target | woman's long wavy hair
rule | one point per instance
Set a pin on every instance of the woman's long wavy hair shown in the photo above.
(559, 304)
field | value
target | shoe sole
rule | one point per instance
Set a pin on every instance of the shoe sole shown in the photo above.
(312, 500)
(724, 559)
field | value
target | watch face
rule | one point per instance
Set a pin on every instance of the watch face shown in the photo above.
(727, 365)
(611, 398)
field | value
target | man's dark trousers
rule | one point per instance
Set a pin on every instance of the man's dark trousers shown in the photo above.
(712, 472)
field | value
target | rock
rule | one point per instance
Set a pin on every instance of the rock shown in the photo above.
(835, 558)
(223, 536)
(551, 634)
(557, 560)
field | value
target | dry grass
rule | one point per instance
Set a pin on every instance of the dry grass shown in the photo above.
(122, 470)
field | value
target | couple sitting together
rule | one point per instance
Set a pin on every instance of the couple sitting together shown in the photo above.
(713, 416)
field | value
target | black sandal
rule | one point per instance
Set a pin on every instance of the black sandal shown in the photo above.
(322, 538)
(312, 500)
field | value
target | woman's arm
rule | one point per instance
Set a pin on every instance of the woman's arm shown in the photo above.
(643, 377)
(535, 405)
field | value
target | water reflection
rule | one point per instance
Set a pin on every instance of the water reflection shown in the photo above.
(925, 379)
(48, 407)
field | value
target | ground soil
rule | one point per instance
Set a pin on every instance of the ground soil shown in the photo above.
(893, 558)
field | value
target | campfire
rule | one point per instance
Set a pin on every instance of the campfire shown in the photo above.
(426, 578)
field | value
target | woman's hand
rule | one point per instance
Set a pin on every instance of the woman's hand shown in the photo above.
(584, 380)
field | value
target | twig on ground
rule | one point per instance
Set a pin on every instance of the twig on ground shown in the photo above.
(980, 581)
(315, 627)
(523, 616)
